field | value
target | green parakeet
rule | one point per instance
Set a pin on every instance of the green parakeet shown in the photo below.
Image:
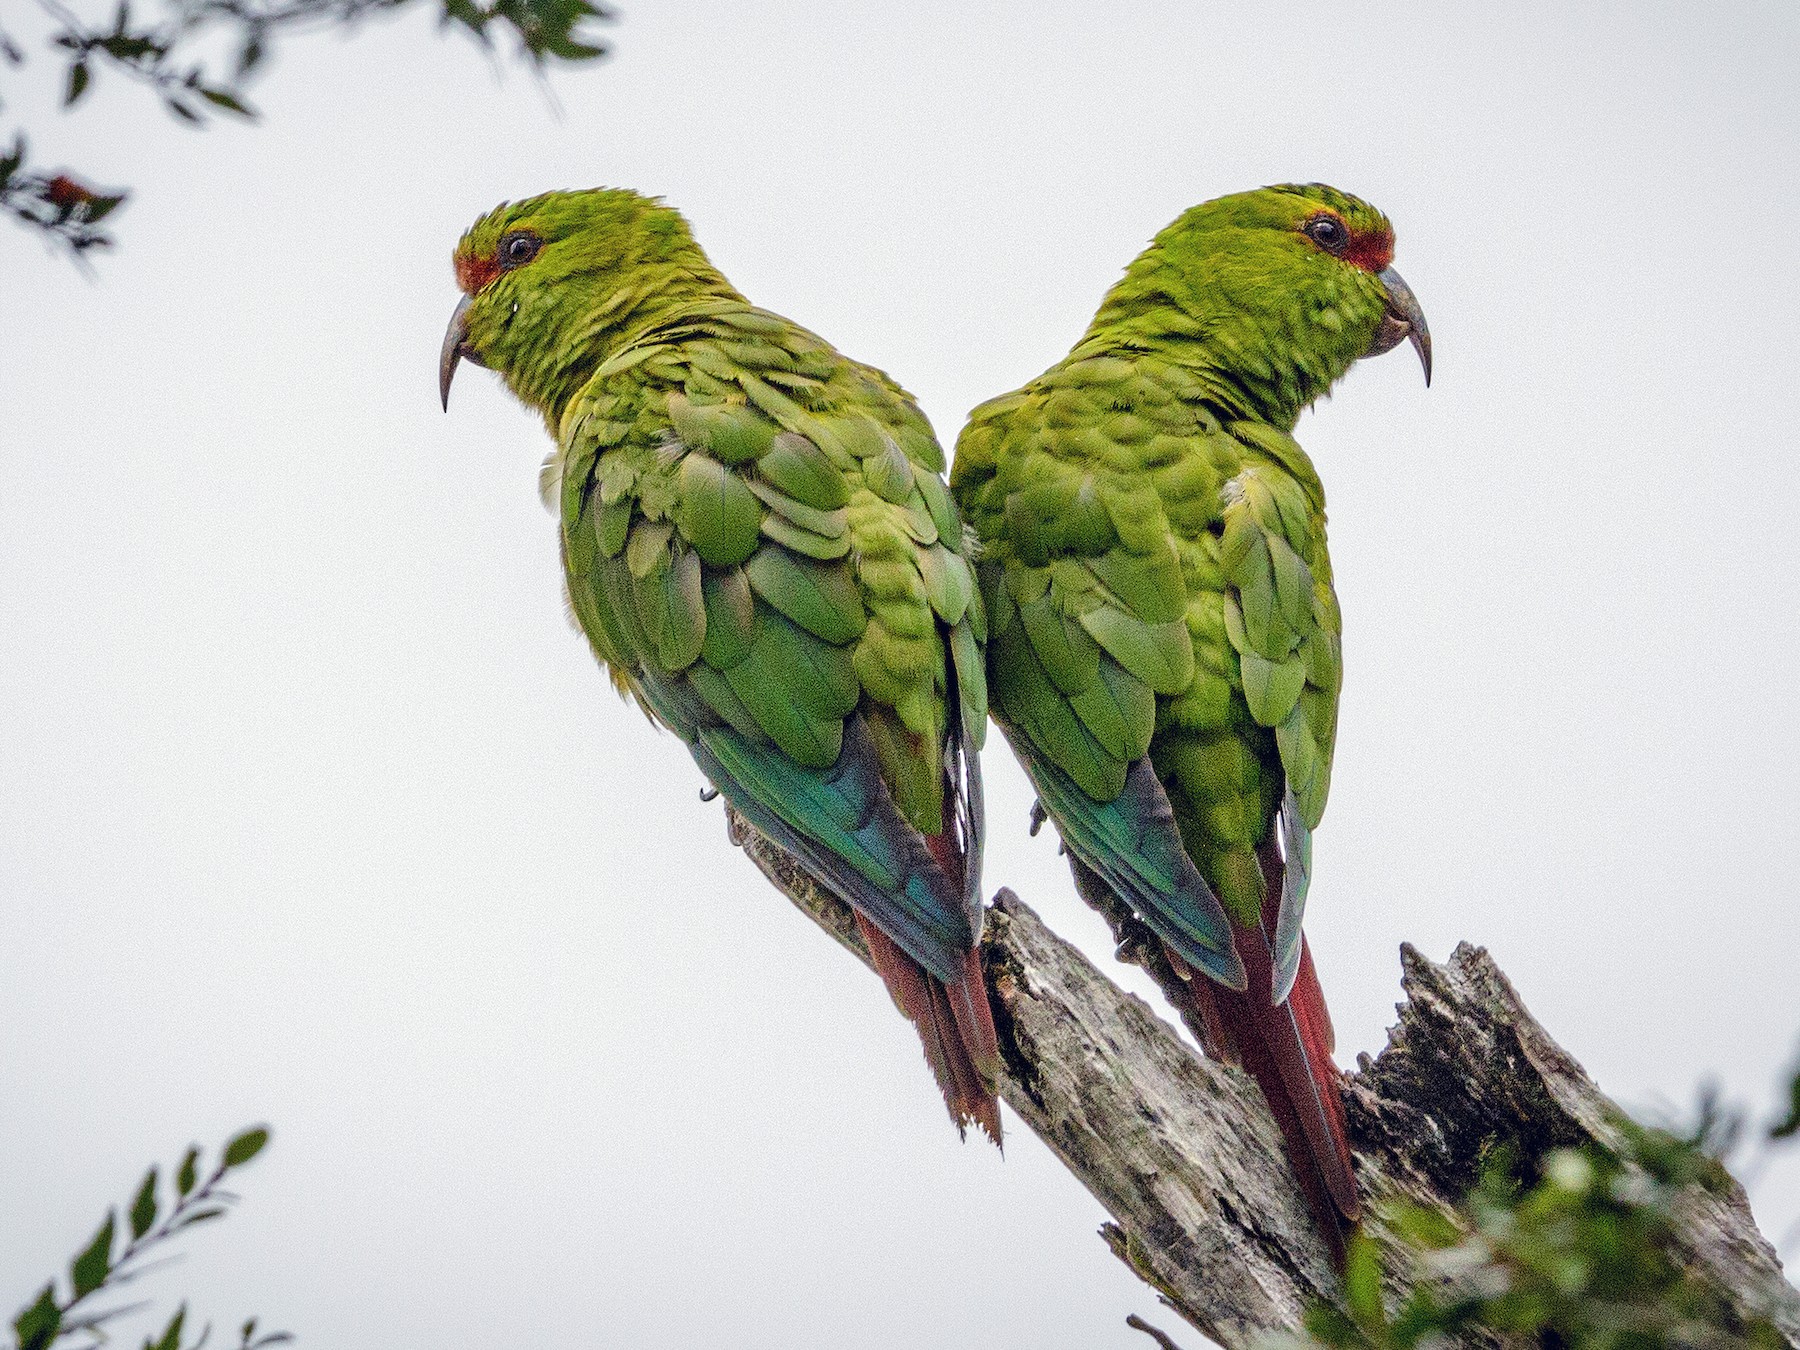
(758, 544)
(1163, 636)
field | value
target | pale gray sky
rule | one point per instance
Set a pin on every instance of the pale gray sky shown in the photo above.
(313, 810)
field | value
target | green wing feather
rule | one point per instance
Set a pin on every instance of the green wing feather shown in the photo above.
(1087, 606)
(1282, 622)
(757, 543)
(1161, 615)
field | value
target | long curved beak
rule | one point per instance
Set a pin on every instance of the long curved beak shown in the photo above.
(454, 337)
(1404, 320)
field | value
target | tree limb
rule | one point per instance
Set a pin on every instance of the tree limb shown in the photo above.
(1184, 1155)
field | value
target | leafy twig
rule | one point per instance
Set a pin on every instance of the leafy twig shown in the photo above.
(1576, 1249)
(157, 56)
(67, 210)
(95, 1270)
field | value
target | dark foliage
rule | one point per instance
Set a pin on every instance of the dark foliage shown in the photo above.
(159, 54)
(1574, 1250)
(103, 1267)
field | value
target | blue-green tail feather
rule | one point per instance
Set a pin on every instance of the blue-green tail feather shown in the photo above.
(1133, 844)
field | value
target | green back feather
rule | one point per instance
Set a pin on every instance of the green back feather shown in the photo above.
(757, 543)
(1153, 559)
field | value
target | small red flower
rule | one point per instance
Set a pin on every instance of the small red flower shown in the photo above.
(64, 193)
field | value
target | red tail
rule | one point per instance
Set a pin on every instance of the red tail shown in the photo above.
(955, 1024)
(1287, 1049)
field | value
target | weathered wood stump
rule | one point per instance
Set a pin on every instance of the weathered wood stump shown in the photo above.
(1183, 1154)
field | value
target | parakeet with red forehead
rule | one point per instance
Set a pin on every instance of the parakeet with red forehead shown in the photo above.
(758, 544)
(1164, 639)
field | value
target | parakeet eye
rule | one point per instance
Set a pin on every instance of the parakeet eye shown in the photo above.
(1328, 233)
(518, 249)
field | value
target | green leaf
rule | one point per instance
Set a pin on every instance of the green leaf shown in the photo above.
(89, 1270)
(99, 208)
(569, 50)
(129, 46)
(1427, 1228)
(143, 1209)
(1362, 1284)
(37, 1325)
(220, 98)
(1330, 1327)
(184, 1179)
(471, 16)
(78, 83)
(182, 111)
(246, 1146)
(201, 1216)
(171, 1337)
(1789, 1127)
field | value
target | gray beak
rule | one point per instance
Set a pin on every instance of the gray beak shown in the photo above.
(1404, 320)
(454, 337)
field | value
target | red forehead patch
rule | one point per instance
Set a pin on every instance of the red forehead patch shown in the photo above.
(472, 273)
(1371, 250)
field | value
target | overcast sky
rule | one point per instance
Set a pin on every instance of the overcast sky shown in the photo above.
(313, 810)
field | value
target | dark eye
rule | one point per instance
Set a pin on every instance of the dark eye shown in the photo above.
(1328, 233)
(518, 249)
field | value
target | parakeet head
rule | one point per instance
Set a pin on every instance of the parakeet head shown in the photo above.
(1284, 288)
(554, 285)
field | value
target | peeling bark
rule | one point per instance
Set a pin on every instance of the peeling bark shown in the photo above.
(1185, 1157)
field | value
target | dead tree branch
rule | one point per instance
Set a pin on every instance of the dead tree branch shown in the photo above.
(1184, 1156)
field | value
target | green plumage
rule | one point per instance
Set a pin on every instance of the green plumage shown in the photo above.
(1153, 558)
(839, 581)
(756, 543)
(1200, 634)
